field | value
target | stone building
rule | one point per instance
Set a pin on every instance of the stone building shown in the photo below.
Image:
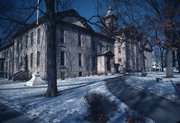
(81, 51)
(78, 49)
(126, 53)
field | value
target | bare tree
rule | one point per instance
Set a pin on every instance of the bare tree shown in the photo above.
(150, 15)
(132, 24)
(28, 10)
(164, 14)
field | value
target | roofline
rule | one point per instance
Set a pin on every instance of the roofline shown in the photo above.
(6, 46)
(88, 30)
(42, 20)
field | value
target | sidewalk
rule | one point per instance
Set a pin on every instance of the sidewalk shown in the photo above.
(155, 107)
(8, 115)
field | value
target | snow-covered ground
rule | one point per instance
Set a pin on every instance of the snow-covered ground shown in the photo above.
(68, 107)
(163, 88)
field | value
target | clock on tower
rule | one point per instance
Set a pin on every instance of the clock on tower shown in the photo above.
(110, 19)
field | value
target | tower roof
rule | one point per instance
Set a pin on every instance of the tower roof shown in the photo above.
(110, 13)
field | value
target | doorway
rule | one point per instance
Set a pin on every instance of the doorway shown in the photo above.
(108, 64)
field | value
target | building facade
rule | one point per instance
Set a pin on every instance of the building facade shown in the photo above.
(80, 51)
(126, 51)
(77, 47)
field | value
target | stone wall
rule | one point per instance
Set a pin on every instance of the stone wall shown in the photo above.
(71, 49)
(128, 57)
(7, 55)
(24, 47)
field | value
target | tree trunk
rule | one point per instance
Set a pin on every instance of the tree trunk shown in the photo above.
(51, 49)
(169, 71)
(162, 62)
(174, 58)
(143, 66)
(178, 59)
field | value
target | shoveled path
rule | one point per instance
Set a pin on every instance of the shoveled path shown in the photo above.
(155, 107)
(8, 115)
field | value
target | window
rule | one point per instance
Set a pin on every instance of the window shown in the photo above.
(119, 49)
(61, 35)
(26, 41)
(62, 58)
(31, 60)
(2, 66)
(17, 62)
(119, 60)
(62, 75)
(80, 73)
(32, 39)
(38, 36)
(79, 40)
(21, 63)
(80, 59)
(38, 57)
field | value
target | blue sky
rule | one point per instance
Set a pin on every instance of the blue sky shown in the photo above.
(85, 8)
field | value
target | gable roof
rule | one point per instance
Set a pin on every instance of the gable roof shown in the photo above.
(74, 13)
(106, 53)
(59, 15)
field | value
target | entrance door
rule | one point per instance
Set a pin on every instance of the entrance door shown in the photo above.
(108, 64)
(26, 62)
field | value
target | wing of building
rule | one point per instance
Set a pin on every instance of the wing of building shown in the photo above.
(80, 50)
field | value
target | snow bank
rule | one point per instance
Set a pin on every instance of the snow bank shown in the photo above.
(163, 88)
(68, 107)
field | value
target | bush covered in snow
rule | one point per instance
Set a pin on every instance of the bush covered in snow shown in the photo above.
(99, 107)
(134, 117)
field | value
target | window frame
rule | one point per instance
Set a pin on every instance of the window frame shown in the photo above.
(62, 59)
(80, 59)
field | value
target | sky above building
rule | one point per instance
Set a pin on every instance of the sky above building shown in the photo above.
(86, 8)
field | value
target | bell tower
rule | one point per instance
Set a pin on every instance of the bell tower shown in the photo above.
(110, 19)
